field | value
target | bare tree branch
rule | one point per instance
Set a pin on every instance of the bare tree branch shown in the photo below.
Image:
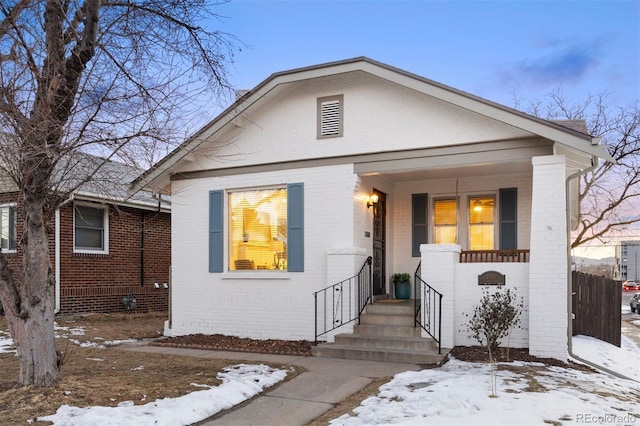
(610, 194)
(82, 83)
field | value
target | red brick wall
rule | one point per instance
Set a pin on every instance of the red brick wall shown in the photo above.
(13, 258)
(98, 282)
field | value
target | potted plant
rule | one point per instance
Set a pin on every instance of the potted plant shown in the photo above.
(402, 285)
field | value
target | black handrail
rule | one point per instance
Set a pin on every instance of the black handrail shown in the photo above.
(431, 319)
(334, 294)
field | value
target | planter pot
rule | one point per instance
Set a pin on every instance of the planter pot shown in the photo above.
(402, 290)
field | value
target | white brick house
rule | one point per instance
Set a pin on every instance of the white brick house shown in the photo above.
(270, 202)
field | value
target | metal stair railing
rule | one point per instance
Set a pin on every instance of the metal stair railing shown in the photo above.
(337, 305)
(431, 318)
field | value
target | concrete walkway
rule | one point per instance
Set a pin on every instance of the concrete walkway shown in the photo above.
(327, 382)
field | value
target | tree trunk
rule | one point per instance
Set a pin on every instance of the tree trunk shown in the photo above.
(32, 325)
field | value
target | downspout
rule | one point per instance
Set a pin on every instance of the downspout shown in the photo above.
(56, 249)
(142, 249)
(594, 164)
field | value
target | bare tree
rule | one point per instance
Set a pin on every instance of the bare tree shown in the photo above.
(610, 193)
(110, 78)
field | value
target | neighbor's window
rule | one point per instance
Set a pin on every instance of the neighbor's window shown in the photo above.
(8, 225)
(90, 229)
(258, 229)
(481, 227)
(445, 221)
(330, 116)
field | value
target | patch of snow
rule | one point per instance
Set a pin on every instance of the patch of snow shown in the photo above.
(6, 343)
(459, 393)
(240, 382)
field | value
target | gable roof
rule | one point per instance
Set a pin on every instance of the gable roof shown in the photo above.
(109, 182)
(568, 134)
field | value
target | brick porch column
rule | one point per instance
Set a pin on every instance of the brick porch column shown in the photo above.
(344, 263)
(548, 278)
(438, 269)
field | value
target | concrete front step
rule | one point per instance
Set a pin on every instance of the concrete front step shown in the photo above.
(387, 330)
(400, 308)
(386, 333)
(333, 350)
(386, 342)
(370, 318)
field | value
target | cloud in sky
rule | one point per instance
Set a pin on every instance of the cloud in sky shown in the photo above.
(570, 65)
(560, 63)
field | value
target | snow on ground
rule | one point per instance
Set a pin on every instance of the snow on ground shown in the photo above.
(459, 393)
(240, 382)
(6, 343)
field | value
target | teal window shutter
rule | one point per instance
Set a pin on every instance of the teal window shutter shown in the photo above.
(509, 218)
(216, 234)
(295, 227)
(419, 218)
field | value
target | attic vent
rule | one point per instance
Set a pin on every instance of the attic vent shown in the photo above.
(330, 116)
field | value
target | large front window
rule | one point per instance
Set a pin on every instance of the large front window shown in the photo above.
(445, 221)
(481, 228)
(8, 224)
(258, 229)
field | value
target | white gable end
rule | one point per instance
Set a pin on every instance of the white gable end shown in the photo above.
(378, 116)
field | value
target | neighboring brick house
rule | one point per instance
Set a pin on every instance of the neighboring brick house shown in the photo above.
(103, 247)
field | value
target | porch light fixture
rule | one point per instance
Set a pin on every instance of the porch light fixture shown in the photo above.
(372, 200)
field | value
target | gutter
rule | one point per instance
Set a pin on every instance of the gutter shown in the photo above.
(594, 164)
(57, 252)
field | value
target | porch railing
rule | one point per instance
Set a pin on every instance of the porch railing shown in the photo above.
(486, 256)
(430, 319)
(336, 305)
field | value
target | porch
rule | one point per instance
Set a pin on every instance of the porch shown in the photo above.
(357, 325)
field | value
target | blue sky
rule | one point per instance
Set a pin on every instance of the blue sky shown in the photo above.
(498, 50)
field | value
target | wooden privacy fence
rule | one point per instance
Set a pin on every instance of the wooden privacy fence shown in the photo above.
(597, 305)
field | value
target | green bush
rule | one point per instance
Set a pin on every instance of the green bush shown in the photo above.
(400, 277)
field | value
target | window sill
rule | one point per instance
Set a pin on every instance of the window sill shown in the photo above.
(91, 254)
(255, 275)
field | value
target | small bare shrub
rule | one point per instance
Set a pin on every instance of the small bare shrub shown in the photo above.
(494, 317)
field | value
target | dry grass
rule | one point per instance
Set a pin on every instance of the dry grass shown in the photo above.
(105, 376)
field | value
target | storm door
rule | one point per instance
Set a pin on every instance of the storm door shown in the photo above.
(379, 243)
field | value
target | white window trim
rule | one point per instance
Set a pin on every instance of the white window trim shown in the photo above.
(495, 216)
(105, 218)
(243, 274)
(9, 205)
(432, 217)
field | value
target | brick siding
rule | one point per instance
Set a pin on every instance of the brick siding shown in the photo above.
(98, 282)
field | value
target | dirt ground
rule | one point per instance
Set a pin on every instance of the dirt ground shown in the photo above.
(95, 375)
(101, 376)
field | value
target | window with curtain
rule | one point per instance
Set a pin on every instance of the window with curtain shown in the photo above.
(8, 225)
(445, 221)
(481, 223)
(258, 229)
